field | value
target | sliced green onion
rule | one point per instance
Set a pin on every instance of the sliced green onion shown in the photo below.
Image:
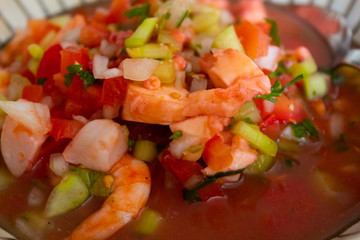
(248, 111)
(145, 150)
(262, 164)
(228, 39)
(315, 86)
(148, 222)
(150, 50)
(256, 138)
(142, 34)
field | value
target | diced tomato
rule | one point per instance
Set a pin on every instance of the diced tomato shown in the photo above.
(264, 26)
(217, 154)
(39, 28)
(65, 128)
(182, 169)
(289, 109)
(49, 64)
(254, 41)
(33, 93)
(113, 91)
(210, 191)
(117, 10)
(74, 55)
(271, 127)
(92, 34)
(29, 75)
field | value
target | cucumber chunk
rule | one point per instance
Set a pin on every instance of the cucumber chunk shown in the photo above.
(148, 222)
(315, 86)
(150, 50)
(306, 68)
(261, 164)
(70, 193)
(257, 139)
(145, 150)
(248, 111)
(142, 34)
(166, 71)
(228, 39)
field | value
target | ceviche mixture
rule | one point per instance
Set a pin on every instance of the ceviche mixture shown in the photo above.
(178, 119)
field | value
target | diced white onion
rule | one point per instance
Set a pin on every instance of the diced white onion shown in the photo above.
(80, 118)
(336, 124)
(68, 43)
(36, 197)
(108, 49)
(226, 17)
(269, 62)
(180, 80)
(269, 106)
(100, 65)
(58, 164)
(112, 73)
(71, 35)
(139, 69)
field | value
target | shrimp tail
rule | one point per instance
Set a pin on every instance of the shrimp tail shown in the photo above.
(131, 189)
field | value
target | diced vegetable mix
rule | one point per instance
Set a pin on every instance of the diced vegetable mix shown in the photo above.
(232, 111)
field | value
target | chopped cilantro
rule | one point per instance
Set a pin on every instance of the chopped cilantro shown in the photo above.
(182, 19)
(86, 76)
(305, 128)
(289, 162)
(25, 218)
(199, 46)
(131, 142)
(248, 120)
(341, 145)
(280, 70)
(141, 11)
(277, 90)
(176, 135)
(41, 81)
(274, 32)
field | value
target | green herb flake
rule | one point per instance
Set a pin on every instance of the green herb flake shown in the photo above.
(131, 142)
(141, 11)
(182, 19)
(74, 68)
(41, 81)
(163, 20)
(199, 46)
(289, 162)
(280, 70)
(248, 120)
(305, 128)
(277, 90)
(176, 135)
(274, 32)
(69, 77)
(25, 218)
(87, 77)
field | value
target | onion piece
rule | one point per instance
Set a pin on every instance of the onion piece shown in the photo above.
(269, 62)
(108, 49)
(36, 197)
(71, 35)
(336, 124)
(139, 69)
(68, 43)
(112, 73)
(100, 65)
(58, 164)
(111, 111)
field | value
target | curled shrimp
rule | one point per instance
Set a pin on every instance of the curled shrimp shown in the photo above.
(130, 192)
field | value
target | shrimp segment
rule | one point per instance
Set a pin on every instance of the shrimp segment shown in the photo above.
(131, 189)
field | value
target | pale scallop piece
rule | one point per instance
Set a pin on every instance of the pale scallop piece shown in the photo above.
(98, 145)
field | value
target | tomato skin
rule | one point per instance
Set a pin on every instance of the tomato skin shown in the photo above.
(271, 127)
(117, 10)
(92, 34)
(33, 93)
(289, 109)
(217, 154)
(253, 39)
(113, 91)
(182, 169)
(65, 128)
(74, 55)
(49, 65)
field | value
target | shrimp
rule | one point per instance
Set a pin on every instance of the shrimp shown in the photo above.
(130, 192)
(24, 131)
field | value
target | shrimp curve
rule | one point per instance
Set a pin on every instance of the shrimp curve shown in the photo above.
(131, 189)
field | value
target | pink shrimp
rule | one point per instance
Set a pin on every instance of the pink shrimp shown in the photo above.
(131, 189)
